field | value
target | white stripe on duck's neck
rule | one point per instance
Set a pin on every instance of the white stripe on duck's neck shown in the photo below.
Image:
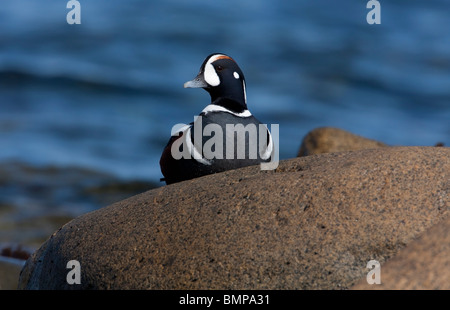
(217, 108)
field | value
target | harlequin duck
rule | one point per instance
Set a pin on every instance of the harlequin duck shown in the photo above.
(225, 135)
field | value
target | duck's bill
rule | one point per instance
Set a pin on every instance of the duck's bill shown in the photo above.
(198, 82)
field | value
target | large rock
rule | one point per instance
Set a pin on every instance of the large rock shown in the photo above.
(314, 223)
(329, 140)
(422, 265)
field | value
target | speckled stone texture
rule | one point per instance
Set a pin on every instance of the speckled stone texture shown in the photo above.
(424, 264)
(328, 140)
(314, 223)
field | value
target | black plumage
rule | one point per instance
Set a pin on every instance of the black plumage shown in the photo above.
(230, 136)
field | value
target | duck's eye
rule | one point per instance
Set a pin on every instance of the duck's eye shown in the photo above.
(219, 68)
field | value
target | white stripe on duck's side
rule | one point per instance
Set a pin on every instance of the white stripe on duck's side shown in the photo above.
(269, 149)
(186, 135)
(193, 150)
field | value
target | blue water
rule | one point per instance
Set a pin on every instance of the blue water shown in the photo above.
(105, 94)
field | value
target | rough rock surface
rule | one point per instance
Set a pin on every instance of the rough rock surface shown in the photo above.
(314, 223)
(424, 264)
(329, 140)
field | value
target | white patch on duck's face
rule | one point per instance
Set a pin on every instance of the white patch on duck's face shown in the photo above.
(210, 73)
(236, 75)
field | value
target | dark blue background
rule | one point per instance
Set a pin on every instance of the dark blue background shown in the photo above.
(105, 94)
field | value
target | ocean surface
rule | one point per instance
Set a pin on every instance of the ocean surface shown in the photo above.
(85, 110)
